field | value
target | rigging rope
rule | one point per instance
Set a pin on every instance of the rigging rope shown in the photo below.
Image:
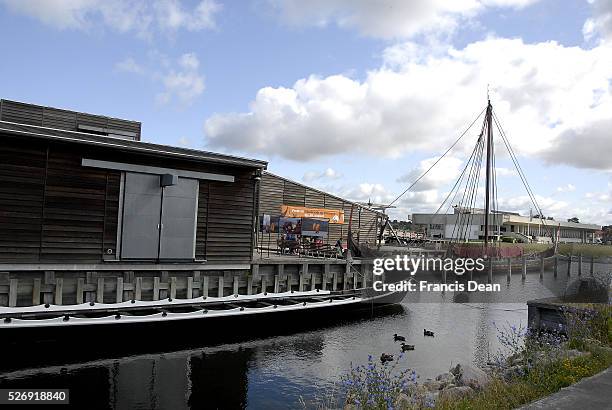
(438, 160)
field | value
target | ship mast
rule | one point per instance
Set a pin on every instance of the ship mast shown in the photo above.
(488, 119)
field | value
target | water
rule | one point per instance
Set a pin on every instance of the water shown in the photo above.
(279, 371)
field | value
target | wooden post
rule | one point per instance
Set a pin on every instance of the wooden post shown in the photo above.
(138, 290)
(173, 287)
(220, 290)
(190, 287)
(236, 284)
(509, 274)
(79, 290)
(364, 275)
(347, 272)
(325, 276)
(250, 285)
(281, 272)
(276, 283)
(556, 265)
(524, 273)
(289, 280)
(100, 290)
(313, 282)
(12, 299)
(301, 283)
(592, 264)
(579, 264)
(490, 276)
(59, 291)
(156, 281)
(541, 266)
(569, 265)
(36, 292)
(335, 283)
(205, 286)
(264, 285)
(120, 290)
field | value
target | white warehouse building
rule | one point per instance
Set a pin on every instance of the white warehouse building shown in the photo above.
(470, 223)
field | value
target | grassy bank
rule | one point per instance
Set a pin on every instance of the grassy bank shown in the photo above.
(585, 249)
(535, 385)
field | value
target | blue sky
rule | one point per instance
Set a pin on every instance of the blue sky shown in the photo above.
(354, 97)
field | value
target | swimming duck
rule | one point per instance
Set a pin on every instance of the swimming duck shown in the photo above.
(397, 338)
(427, 332)
(406, 347)
(386, 357)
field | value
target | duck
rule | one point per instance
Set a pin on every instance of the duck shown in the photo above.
(427, 332)
(397, 338)
(386, 357)
(406, 347)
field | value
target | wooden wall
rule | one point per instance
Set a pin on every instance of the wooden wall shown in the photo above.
(276, 191)
(54, 210)
(49, 117)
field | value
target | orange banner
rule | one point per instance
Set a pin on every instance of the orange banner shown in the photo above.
(335, 216)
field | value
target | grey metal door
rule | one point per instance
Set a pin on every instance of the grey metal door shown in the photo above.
(178, 220)
(141, 213)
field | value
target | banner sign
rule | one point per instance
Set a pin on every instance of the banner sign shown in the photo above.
(269, 224)
(335, 216)
(290, 225)
(315, 227)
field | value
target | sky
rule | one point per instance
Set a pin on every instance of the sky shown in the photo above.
(355, 97)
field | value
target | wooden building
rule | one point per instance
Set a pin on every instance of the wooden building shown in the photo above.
(81, 193)
(275, 191)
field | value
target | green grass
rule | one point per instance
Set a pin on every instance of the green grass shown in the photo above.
(537, 384)
(585, 249)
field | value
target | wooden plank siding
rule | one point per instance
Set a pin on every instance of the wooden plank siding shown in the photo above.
(52, 209)
(276, 191)
(230, 220)
(22, 113)
(22, 185)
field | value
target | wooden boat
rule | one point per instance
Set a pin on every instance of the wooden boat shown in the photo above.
(21, 323)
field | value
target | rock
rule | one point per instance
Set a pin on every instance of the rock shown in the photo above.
(350, 406)
(456, 371)
(403, 401)
(473, 377)
(416, 390)
(446, 378)
(432, 385)
(457, 392)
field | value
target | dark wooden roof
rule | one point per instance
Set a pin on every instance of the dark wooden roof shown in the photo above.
(126, 145)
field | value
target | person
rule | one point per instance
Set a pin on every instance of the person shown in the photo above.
(338, 246)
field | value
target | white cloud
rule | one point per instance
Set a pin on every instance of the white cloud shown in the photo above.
(184, 84)
(601, 22)
(566, 188)
(539, 91)
(180, 80)
(388, 19)
(138, 16)
(444, 172)
(326, 174)
(129, 65)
